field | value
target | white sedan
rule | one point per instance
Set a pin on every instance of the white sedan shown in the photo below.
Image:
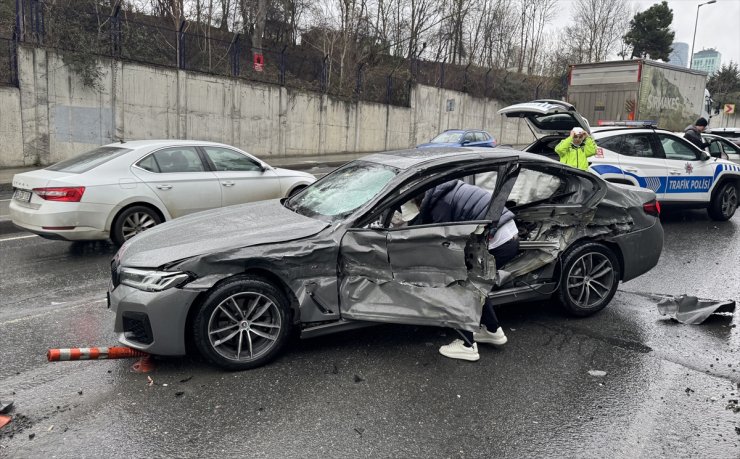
(121, 189)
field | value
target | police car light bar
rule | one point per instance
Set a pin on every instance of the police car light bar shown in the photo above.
(641, 123)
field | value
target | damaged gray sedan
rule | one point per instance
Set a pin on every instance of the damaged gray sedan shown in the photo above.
(237, 281)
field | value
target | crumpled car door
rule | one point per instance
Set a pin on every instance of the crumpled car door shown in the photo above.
(427, 275)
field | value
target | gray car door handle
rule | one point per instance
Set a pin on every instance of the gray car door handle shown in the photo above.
(164, 187)
(446, 243)
(675, 172)
(228, 184)
(630, 169)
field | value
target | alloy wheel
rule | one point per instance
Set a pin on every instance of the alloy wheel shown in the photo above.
(729, 201)
(590, 279)
(136, 223)
(244, 326)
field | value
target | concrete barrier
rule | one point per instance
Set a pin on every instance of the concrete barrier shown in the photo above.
(53, 116)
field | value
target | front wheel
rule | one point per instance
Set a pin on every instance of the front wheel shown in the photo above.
(589, 279)
(242, 324)
(725, 203)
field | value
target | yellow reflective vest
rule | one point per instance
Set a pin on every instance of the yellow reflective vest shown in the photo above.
(575, 156)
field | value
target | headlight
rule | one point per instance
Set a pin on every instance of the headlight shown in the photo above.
(152, 281)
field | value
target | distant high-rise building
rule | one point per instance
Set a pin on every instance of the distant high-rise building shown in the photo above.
(680, 54)
(707, 60)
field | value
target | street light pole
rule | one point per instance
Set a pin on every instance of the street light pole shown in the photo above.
(691, 55)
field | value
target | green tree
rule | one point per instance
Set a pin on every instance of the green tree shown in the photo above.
(650, 34)
(724, 86)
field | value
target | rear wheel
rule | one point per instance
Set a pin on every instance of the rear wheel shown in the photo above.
(590, 277)
(242, 324)
(133, 221)
(725, 203)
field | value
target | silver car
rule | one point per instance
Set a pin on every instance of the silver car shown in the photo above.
(122, 189)
(236, 281)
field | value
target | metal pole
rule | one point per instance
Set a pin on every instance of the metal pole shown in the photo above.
(181, 45)
(696, 23)
(282, 65)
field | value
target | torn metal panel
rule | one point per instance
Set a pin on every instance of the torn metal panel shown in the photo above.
(307, 267)
(691, 310)
(458, 305)
(447, 280)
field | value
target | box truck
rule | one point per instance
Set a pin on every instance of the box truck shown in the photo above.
(639, 90)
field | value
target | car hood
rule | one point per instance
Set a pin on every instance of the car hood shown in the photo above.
(293, 173)
(547, 117)
(244, 225)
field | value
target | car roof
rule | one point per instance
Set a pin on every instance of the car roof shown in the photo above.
(464, 130)
(136, 144)
(406, 159)
(603, 129)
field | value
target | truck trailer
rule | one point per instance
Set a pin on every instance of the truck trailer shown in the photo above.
(639, 90)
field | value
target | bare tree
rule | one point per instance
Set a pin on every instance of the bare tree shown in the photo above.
(598, 28)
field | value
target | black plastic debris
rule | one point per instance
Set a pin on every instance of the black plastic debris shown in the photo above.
(6, 407)
(359, 378)
(691, 310)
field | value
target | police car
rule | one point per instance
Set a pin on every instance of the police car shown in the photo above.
(637, 153)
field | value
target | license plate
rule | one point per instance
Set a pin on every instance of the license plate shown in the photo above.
(22, 195)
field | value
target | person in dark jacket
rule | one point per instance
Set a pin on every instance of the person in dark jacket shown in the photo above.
(692, 133)
(456, 201)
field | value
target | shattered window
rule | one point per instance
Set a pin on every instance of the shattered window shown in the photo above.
(343, 191)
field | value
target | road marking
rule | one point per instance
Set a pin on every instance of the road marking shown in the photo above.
(44, 314)
(16, 238)
(5, 200)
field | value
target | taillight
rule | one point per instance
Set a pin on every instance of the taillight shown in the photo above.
(652, 208)
(65, 194)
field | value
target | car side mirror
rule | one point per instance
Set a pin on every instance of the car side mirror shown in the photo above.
(715, 154)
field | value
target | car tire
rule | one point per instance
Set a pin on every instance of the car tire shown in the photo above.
(588, 279)
(242, 323)
(132, 221)
(725, 202)
(295, 191)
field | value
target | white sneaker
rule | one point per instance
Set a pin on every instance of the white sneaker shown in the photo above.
(458, 350)
(497, 338)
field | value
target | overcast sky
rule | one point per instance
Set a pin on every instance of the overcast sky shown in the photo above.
(719, 24)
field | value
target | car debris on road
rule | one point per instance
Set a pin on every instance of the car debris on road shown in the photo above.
(691, 310)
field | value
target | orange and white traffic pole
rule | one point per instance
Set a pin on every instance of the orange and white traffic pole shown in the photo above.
(93, 353)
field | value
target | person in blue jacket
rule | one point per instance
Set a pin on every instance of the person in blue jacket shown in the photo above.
(456, 201)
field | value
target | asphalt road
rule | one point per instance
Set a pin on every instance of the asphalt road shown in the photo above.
(383, 391)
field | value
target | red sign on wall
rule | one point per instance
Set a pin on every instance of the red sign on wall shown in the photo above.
(259, 62)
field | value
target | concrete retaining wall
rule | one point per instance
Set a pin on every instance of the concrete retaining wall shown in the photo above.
(53, 116)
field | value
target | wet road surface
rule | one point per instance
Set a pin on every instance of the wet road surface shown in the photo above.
(384, 391)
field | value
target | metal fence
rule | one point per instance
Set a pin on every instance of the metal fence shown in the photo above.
(8, 62)
(130, 36)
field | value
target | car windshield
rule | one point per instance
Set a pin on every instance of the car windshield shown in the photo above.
(448, 137)
(88, 160)
(343, 191)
